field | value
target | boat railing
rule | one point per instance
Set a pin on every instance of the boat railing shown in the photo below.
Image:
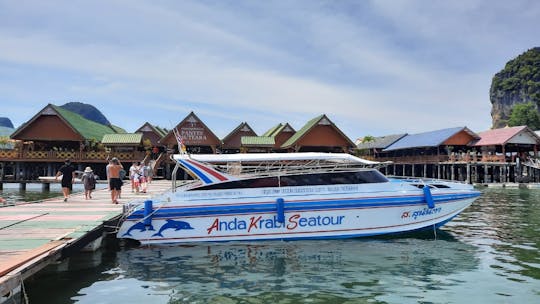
(276, 168)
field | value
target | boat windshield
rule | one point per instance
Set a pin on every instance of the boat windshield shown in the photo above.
(309, 179)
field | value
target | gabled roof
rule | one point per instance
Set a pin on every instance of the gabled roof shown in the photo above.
(242, 127)
(283, 128)
(321, 119)
(428, 139)
(88, 129)
(132, 139)
(258, 141)
(502, 136)
(192, 118)
(159, 131)
(117, 129)
(381, 142)
(272, 130)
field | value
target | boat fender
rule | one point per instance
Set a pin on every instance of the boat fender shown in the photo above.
(280, 204)
(428, 197)
(148, 213)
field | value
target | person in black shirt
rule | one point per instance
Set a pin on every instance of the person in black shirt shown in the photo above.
(68, 176)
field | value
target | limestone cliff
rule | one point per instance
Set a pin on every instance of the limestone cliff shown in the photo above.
(518, 82)
(87, 111)
(6, 122)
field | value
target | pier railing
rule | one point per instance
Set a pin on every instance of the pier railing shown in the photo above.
(78, 156)
(458, 157)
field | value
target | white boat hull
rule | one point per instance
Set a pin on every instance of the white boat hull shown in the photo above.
(347, 215)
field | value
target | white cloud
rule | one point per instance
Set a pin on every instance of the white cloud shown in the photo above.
(387, 66)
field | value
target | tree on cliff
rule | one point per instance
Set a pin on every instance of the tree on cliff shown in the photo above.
(518, 83)
(525, 114)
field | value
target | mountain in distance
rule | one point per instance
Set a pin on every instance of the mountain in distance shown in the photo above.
(6, 122)
(517, 83)
(87, 111)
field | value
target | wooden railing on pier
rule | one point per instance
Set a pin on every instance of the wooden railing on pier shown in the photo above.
(433, 159)
(78, 156)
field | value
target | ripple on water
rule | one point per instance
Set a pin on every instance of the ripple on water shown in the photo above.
(488, 254)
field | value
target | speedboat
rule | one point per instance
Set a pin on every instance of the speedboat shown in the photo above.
(289, 196)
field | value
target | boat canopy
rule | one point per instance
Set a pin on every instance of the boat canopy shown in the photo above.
(276, 157)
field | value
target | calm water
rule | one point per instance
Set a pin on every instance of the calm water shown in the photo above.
(489, 254)
(33, 192)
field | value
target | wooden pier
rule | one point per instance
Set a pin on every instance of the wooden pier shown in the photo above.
(469, 172)
(33, 235)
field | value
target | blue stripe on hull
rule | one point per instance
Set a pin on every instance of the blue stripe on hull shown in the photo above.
(294, 206)
(346, 233)
(296, 238)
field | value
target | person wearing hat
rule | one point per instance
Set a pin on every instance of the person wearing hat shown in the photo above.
(68, 177)
(89, 181)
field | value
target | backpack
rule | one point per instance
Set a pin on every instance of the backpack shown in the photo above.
(92, 181)
(89, 180)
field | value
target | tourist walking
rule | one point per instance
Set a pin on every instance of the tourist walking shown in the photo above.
(113, 178)
(89, 181)
(142, 178)
(68, 177)
(147, 172)
(134, 176)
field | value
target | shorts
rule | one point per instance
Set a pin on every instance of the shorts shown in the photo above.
(115, 184)
(67, 184)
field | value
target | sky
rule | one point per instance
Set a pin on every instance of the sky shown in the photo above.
(373, 67)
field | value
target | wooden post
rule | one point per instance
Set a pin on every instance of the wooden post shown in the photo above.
(468, 168)
(486, 180)
(17, 172)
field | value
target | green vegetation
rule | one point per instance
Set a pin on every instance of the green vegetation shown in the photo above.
(520, 76)
(525, 114)
(368, 139)
(87, 111)
(4, 140)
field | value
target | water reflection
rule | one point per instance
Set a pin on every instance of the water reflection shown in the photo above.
(33, 193)
(505, 224)
(488, 254)
(336, 268)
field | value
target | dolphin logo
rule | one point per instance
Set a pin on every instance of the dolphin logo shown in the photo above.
(176, 225)
(138, 226)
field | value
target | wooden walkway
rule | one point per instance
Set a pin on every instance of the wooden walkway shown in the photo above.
(32, 235)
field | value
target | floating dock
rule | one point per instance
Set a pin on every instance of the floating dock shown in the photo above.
(34, 235)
